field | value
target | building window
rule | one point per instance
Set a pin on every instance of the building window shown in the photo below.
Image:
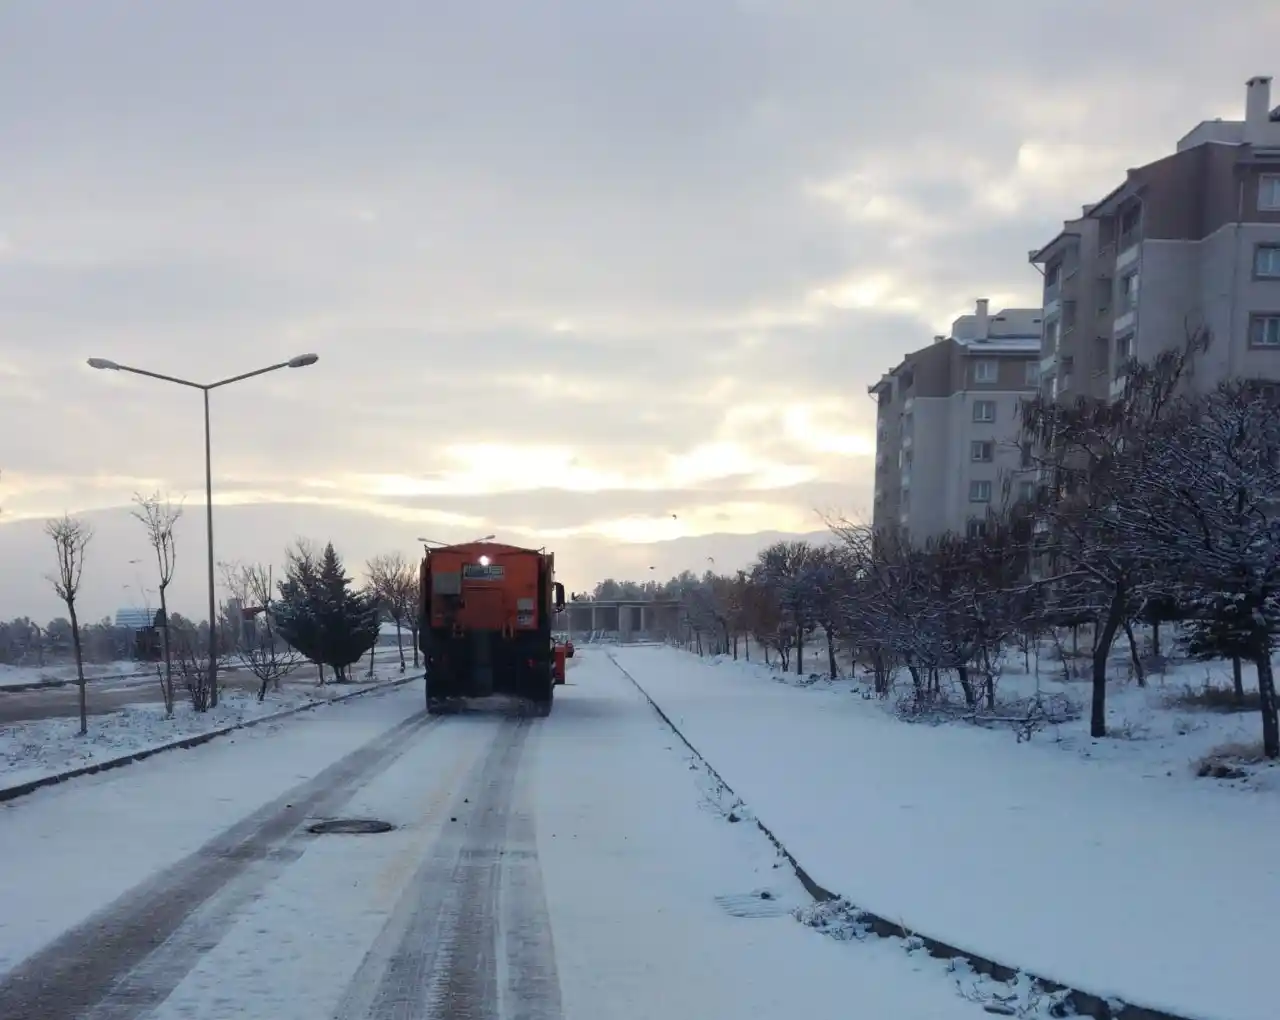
(1128, 299)
(1269, 192)
(1050, 343)
(1068, 316)
(1024, 454)
(1052, 275)
(1266, 261)
(1032, 373)
(984, 410)
(976, 529)
(1130, 224)
(1264, 330)
(982, 451)
(1124, 351)
(979, 492)
(985, 371)
(1026, 491)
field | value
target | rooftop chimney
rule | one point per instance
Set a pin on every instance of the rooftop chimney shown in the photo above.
(984, 319)
(1257, 104)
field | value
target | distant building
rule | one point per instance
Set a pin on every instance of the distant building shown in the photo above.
(947, 424)
(144, 629)
(1199, 229)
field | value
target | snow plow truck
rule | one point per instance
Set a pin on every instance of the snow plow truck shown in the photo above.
(486, 613)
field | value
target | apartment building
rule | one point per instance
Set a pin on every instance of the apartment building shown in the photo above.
(1189, 241)
(947, 424)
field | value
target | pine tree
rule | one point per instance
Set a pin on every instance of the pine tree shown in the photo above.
(321, 616)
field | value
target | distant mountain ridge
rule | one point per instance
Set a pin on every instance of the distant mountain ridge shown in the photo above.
(260, 532)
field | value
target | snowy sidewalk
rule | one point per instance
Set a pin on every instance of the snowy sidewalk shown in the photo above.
(1152, 889)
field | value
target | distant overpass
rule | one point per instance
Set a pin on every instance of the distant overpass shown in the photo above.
(628, 618)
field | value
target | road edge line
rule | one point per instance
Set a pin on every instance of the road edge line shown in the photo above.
(1085, 1003)
(11, 793)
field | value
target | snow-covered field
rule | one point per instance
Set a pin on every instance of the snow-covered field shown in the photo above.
(622, 890)
(34, 749)
(1106, 864)
(22, 676)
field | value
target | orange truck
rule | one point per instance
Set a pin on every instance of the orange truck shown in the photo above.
(486, 611)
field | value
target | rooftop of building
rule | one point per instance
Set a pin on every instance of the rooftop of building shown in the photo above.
(1260, 129)
(1008, 331)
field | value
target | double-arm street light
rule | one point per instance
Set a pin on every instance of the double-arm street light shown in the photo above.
(301, 361)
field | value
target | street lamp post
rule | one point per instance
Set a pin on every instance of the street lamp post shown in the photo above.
(301, 361)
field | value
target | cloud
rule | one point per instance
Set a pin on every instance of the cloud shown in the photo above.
(565, 267)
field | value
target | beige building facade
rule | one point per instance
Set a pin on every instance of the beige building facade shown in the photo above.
(947, 424)
(1188, 242)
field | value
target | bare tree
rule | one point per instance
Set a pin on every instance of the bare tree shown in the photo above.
(1206, 516)
(1095, 452)
(262, 654)
(191, 663)
(70, 539)
(159, 518)
(395, 581)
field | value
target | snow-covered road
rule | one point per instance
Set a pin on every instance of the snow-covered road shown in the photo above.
(570, 867)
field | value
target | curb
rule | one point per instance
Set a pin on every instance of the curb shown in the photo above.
(1083, 1003)
(195, 740)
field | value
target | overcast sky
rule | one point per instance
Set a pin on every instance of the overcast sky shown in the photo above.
(571, 267)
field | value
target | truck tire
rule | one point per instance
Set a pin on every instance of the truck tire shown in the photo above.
(545, 692)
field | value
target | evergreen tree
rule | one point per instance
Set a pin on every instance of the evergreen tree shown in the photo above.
(321, 616)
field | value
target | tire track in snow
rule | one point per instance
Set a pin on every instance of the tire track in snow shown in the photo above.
(471, 938)
(127, 958)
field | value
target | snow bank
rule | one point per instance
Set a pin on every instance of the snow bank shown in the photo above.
(1107, 869)
(20, 676)
(38, 748)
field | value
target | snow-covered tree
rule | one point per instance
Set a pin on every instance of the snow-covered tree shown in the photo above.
(322, 616)
(1207, 512)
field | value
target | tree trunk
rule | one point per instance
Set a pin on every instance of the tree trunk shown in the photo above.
(1155, 638)
(1267, 704)
(966, 685)
(831, 653)
(75, 641)
(799, 652)
(166, 685)
(1102, 648)
(400, 644)
(1138, 672)
(1237, 679)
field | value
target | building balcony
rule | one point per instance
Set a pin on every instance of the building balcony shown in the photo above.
(1127, 250)
(1049, 365)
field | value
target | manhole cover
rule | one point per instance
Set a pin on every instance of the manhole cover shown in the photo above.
(350, 826)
